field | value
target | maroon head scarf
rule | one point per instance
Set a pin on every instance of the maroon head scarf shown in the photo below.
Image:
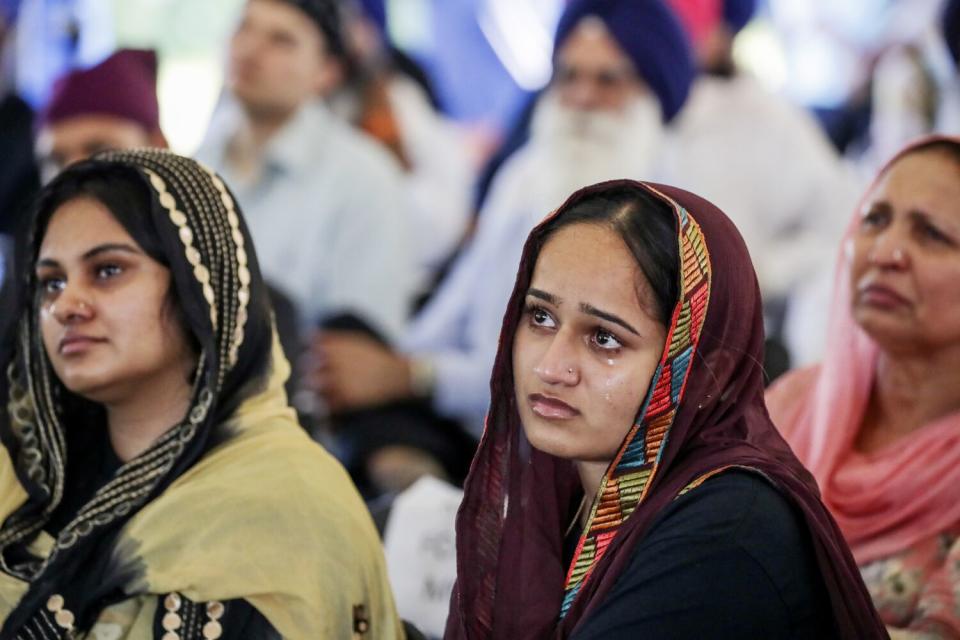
(704, 412)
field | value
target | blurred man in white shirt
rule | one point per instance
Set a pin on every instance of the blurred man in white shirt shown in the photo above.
(325, 204)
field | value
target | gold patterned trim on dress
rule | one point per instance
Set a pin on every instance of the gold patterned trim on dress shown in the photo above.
(179, 219)
(31, 407)
(61, 614)
(361, 621)
(181, 620)
(23, 420)
(243, 271)
(135, 480)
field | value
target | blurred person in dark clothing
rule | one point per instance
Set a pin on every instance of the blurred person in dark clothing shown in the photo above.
(19, 178)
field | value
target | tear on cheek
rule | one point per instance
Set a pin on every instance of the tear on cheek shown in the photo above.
(610, 386)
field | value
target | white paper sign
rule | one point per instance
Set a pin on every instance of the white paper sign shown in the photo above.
(420, 545)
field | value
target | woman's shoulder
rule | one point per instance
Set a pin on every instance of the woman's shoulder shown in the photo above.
(750, 540)
(730, 558)
(276, 515)
(734, 508)
(792, 382)
(269, 467)
(270, 475)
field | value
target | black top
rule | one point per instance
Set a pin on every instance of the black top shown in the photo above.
(730, 559)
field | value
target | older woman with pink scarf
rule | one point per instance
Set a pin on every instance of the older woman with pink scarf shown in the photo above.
(878, 421)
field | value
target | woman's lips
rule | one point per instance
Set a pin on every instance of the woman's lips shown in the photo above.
(877, 295)
(551, 408)
(73, 345)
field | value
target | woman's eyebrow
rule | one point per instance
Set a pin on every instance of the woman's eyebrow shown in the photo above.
(584, 307)
(92, 253)
(104, 248)
(875, 205)
(543, 295)
(923, 216)
(609, 317)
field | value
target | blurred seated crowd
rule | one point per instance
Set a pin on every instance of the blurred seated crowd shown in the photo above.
(389, 263)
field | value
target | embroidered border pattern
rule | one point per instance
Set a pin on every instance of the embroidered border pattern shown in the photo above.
(625, 485)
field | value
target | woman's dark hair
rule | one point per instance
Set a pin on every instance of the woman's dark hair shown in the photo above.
(125, 197)
(647, 226)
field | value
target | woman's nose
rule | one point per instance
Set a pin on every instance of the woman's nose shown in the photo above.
(72, 307)
(559, 364)
(889, 250)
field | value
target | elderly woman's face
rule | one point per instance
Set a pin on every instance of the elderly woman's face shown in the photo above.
(106, 324)
(905, 255)
(587, 345)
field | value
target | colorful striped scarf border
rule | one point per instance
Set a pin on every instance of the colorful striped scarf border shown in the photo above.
(626, 482)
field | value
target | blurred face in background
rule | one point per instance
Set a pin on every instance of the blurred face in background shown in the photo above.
(73, 139)
(279, 60)
(598, 120)
(905, 255)
(593, 73)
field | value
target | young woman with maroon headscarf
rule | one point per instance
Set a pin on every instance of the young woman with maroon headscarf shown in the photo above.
(629, 482)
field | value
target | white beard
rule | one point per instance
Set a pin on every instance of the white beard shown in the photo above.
(572, 149)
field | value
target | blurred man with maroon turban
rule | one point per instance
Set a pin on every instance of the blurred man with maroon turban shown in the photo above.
(110, 106)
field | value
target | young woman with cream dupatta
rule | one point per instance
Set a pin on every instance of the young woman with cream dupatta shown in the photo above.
(629, 483)
(878, 421)
(153, 481)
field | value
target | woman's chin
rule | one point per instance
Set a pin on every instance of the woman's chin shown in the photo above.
(889, 331)
(92, 387)
(546, 437)
(556, 438)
